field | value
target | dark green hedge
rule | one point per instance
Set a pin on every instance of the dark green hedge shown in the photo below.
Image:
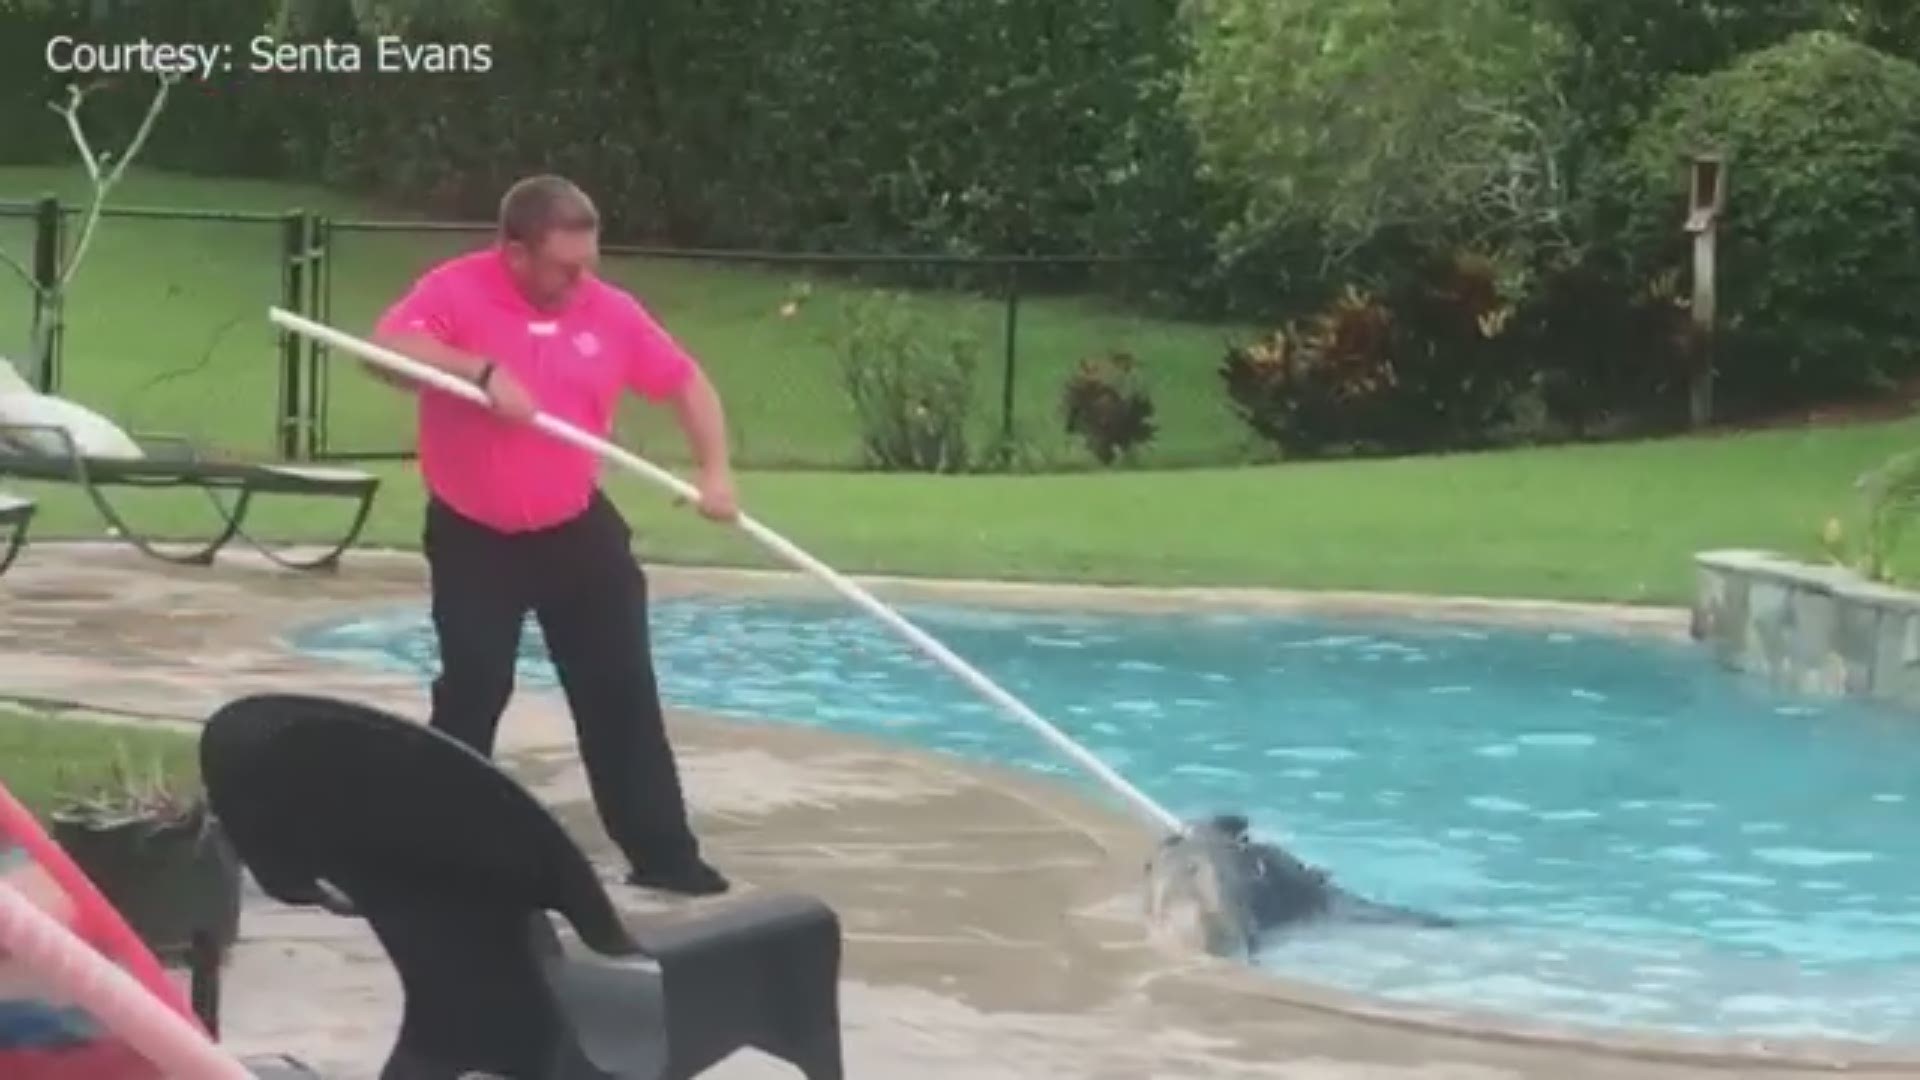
(1818, 264)
(1053, 126)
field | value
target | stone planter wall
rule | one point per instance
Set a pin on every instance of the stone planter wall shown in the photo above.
(1809, 628)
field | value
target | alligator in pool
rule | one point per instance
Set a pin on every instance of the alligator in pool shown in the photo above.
(1217, 888)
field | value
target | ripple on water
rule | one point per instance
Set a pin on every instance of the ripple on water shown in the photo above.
(1797, 856)
(1392, 648)
(1329, 641)
(1558, 740)
(1210, 772)
(1319, 754)
(1741, 881)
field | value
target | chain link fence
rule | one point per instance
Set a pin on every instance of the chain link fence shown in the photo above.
(166, 331)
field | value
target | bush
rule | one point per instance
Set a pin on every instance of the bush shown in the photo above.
(1012, 450)
(1455, 353)
(1422, 366)
(912, 395)
(1610, 353)
(1032, 126)
(1818, 265)
(1309, 389)
(1889, 499)
(1105, 403)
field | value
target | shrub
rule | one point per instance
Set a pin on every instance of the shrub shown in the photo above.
(1889, 498)
(1308, 390)
(1423, 366)
(1106, 404)
(1009, 451)
(1454, 353)
(1609, 352)
(1817, 264)
(912, 394)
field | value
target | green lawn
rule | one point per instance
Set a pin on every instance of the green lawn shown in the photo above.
(1612, 522)
(1616, 522)
(45, 758)
(167, 314)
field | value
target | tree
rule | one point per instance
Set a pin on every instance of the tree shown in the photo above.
(1441, 121)
(1892, 26)
(104, 170)
(1622, 54)
(1822, 138)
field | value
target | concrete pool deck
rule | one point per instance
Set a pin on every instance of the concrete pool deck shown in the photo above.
(991, 917)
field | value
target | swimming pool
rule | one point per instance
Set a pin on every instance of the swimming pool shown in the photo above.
(1633, 836)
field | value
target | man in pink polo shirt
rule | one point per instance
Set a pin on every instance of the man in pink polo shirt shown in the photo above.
(516, 521)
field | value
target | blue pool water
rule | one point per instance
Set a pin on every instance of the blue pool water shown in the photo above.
(1635, 837)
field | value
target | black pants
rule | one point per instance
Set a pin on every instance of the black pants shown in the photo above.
(580, 580)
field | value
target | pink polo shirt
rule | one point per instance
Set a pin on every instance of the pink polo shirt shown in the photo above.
(575, 362)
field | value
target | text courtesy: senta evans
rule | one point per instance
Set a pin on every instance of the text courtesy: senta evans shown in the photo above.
(264, 54)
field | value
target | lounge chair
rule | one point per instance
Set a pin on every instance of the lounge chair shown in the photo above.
(46, 438)
(16, 514)
(456, 867)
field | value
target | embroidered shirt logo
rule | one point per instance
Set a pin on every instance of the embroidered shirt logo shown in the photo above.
(586, 343)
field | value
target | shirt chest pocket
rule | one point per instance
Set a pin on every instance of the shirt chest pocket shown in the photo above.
(506, 344)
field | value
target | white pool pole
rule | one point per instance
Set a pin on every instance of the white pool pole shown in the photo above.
(81, 975)
(986, 687)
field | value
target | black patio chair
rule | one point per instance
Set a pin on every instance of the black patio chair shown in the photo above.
(16, 515)
(456, 867)
(168, 461)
